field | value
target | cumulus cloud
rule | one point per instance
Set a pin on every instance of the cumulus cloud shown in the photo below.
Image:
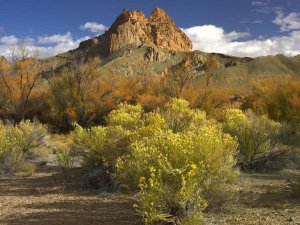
(210, 38)
(46, 45)
(289, 22)
(56, 38)
(94, 27)
(9, 40)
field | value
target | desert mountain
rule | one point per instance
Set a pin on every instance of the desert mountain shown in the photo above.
(136, 45)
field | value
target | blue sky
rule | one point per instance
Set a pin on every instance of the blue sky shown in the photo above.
(236, 27)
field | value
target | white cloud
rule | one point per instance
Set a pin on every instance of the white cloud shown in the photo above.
(55, 39)
(46, 45)
(9, 40)
(289, 22)
(209, 38)
(94, 27)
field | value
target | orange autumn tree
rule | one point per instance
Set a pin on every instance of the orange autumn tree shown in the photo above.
(79, 94)
(279, 98)
(20, 82)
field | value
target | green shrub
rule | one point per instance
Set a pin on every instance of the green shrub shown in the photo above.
(18, 142)
(99, 145)
(257, 135)
(65, 157)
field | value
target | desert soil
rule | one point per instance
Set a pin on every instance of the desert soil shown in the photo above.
(48, 198)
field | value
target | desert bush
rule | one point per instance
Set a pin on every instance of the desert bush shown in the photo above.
(100, 146)
(21, 83)
(172, 168)
(79, 94)
(257, 135)
(180, 117)
(126, 116)
(65, 156)
(171, 159)
(18, 143)
(277, 98)
(30, 136)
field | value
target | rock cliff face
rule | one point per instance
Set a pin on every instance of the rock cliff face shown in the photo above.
(133, 27)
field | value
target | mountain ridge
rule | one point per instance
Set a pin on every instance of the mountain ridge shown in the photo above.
(135, 45)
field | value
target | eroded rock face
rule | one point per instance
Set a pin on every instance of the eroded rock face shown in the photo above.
(165, 34)
(133, 27)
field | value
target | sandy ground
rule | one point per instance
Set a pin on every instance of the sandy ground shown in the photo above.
(47, 198)
(264, 199)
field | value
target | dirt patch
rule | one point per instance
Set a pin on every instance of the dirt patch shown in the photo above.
(264, 199)
(47, 198)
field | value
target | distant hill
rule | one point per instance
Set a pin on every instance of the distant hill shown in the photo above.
(136, 45)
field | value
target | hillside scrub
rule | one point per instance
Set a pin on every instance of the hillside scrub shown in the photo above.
(168, 162)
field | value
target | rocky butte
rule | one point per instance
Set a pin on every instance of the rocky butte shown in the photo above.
(133, 27)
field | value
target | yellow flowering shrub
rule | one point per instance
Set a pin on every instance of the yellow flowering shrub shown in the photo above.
(20, 141)
(100, 145)
(179, 117)
(257, 135)
(127, 116)
(171, 169)
(171, 159)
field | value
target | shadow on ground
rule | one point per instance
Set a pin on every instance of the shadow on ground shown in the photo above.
(49, 198)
